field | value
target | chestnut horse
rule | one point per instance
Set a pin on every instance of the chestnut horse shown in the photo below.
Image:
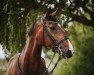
(46, 32)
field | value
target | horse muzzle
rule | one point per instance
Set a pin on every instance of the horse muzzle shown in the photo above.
(69, 54)
(66, 54)
(63, 53)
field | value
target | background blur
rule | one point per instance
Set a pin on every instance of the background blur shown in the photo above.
(76, 16)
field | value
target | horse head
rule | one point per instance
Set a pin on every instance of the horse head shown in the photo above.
(51, 34)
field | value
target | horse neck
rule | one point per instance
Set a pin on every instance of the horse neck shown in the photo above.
(32, 48)
(31, 55)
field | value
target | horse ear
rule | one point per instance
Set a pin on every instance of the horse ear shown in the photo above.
(52, 12)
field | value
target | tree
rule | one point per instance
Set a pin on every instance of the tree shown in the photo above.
(14, 19)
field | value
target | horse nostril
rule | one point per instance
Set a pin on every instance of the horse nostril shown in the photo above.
(69, 53)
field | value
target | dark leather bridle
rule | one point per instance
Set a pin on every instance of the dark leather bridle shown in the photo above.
(55, 44)
(53, 41)
(62, 53)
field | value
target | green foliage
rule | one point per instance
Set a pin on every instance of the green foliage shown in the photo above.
(2, 72)
(82, 62)
(2, 66)
(16, 16)
(85, 48)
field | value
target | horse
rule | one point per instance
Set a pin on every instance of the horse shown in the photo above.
(47, 32)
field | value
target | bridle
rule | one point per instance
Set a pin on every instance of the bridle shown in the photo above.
(55, 44)
(53, 41)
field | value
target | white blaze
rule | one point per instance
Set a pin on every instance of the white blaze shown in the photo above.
(70, 46)
(43, 54)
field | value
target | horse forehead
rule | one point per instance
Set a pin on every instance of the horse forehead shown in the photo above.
(50, 24)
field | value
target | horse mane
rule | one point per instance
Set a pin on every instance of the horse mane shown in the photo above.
(31, 28)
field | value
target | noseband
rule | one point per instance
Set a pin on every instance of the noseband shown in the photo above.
(53, 41)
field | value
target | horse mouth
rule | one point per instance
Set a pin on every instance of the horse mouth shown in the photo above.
(63, 54)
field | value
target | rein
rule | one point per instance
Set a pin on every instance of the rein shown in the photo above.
(51, 72)
(18, 66)
(49, 65)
